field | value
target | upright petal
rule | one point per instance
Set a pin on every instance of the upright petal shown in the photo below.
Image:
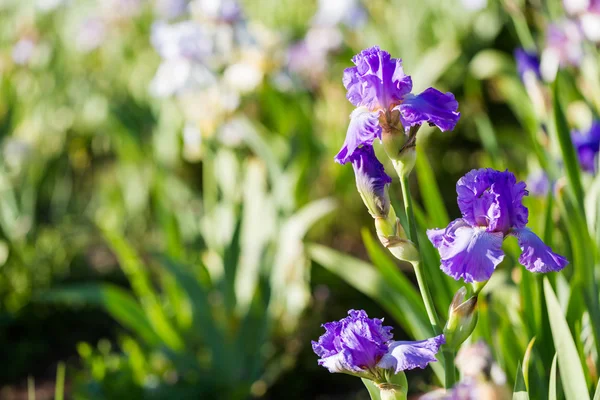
(363, 129)
(467, 252)
(405, 355)
(432, 107)
(364, 338)
(378, 81)
(491, 198)
(536, 255)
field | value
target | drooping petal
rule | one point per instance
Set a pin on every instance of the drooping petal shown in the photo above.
(339, 362)
(491, 198)
(371, 181)
(378, 81)
(405, 355)
(432, 107)
(363, 129)
(468, 253)
(536, 255)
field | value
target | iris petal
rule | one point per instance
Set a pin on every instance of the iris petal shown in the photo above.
(432, 107)
(468, 253)
(363, 129)
(536, 255)
(405, 355)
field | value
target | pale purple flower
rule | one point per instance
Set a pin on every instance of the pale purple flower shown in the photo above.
(170, 9)
(183, 40)
(92, 33)
(23, 51)
(228, 11)
(331, 13)
(491, 205)
(538, 183)
(359, 345)
(371, 181)
(587, 12)
(587, 144)
(378, 87)
(564, 47)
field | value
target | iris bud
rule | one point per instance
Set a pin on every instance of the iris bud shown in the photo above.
(462, 318)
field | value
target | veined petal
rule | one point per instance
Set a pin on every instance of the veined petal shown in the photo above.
(378, 80)
(405, 355)
(340, 362)
(536, 255)
(432, 107)
(467, 252)
(363, 129)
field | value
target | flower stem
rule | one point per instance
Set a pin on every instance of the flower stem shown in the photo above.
(449, 369)
(412, 235)
(408, 208)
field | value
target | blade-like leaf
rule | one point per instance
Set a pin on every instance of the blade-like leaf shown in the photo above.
(597, 394)
(116, 301)
(526, 360)
(520, 390)
(552, 393)
(569, 157)
(137, 274)
(571, 371)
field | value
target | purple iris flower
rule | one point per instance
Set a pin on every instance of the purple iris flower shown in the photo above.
(359, 345)
(491, 205)
(380, 90)
(539, 183)
(587, 145)
(528, 62)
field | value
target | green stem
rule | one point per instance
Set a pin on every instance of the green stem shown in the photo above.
(426, 295)
(408, 208)
(412, 235)
(449, 369)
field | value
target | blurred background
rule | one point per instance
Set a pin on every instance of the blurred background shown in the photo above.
(166, 166)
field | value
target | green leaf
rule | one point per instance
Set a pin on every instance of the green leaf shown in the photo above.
(571, 371)
(137, 273)
(526, 360)
(116, 301)
(553, 394)
(520, 390)
(430, 192)
(597, 394)
(202, 319)
(569, 157)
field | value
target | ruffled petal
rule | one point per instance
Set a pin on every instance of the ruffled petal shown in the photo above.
(536, 255)
(491, 198)
(405, 355)
(468, 253)
(378, 81)
(363, 129)
(432, 107)
(340, 362)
